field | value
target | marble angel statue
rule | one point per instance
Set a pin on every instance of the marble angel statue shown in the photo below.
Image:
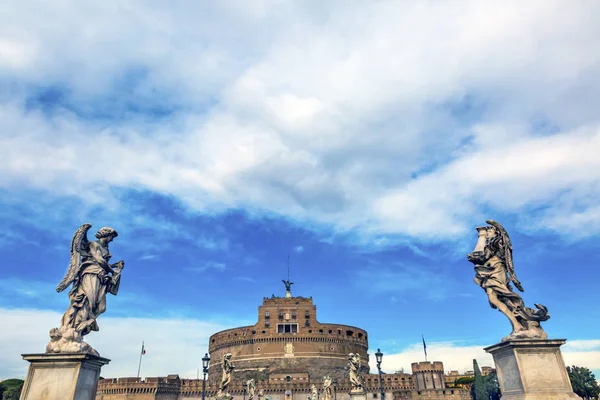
(91, 276)
(314, 392)
(355, 373)
(227, 367)
(495, 274)
(251, 388)
(327, 395)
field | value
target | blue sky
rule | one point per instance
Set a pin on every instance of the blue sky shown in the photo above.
(366, 140)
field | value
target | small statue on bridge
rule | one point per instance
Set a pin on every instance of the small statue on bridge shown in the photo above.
(227, 367)
(355, 374)
(251, 389)
(327, 395)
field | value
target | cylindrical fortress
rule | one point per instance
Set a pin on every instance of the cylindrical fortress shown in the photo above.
(286, 342)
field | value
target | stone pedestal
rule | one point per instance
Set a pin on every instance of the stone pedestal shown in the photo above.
(358, 395)
(62, 376)
(532, 369)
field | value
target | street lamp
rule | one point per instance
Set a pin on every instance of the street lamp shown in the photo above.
(379, 357)
(205, 361)
(334, 388)
(244, 385)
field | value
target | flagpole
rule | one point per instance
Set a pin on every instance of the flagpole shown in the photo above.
(140, 364)
(424, 347)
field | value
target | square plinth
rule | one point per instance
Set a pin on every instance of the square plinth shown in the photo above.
(532, 369)
(358, 395)
(63, 376)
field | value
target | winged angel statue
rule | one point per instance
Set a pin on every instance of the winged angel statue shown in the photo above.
(91, 276)
(494, 272)
(356, 378)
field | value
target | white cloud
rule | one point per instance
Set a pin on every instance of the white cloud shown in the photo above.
(508, 177)
(459, 357)
(403, 118)
(14, 54)
(172, 345)
(217, 266)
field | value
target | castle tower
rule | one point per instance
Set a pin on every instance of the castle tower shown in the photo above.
(288, 345)
(428, 375)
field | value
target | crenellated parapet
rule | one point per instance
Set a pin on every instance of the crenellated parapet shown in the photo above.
(149, 388)
(426, 366)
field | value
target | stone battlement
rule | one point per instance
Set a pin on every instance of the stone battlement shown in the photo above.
(118, 387)
(426, 366)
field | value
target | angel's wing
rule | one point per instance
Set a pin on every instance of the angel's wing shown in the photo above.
(510, 267)
(79, 244)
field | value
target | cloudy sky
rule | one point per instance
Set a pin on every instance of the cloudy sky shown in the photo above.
(365, 139)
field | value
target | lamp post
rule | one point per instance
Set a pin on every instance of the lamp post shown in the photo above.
(244, 385)
(379, 357)
(334, 388)
(205, 361)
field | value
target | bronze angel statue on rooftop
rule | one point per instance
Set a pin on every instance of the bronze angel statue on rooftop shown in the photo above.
(91, 276)
(495, 272)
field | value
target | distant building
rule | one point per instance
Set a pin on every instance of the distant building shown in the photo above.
(286, 352)
(453, 378)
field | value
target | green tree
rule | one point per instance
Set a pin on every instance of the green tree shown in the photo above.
(11, 389)
(478, 390)
(583, 382)
(465, 380)
(492, 386)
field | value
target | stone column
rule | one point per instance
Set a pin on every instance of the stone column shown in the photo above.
(532, 369)
(62, 376)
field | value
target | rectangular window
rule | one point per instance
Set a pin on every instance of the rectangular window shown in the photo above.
(306, 314)
(307, 323)
(281, 316)
(294, 316)
(287, 328)
(267, 324)
(267, 315)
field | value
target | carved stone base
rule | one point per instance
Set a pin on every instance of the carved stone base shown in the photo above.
(62, 376)
(535, 332)
(358, 395)
(68, 340)
(532, 370)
